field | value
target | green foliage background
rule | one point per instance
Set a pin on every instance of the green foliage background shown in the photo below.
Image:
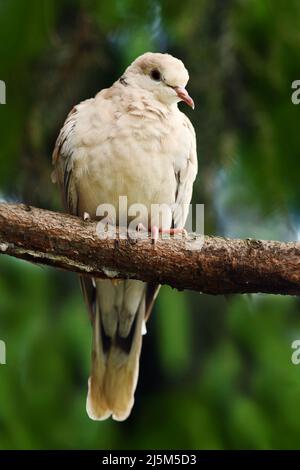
(215, 373)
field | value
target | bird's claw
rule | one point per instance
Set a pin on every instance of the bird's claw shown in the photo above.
(175, 231)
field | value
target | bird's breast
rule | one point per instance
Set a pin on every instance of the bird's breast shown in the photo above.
(138, 158)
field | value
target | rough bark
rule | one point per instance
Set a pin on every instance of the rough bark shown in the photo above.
(220, 266)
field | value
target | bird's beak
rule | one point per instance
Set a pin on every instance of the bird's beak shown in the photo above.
(184, 96)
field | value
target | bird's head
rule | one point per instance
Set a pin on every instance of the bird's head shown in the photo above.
(162, 75)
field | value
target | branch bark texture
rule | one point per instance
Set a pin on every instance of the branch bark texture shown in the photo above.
(220, 266)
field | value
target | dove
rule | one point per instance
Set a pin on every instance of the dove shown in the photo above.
(129, 140)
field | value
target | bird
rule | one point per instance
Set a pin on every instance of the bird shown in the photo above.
(130, 139)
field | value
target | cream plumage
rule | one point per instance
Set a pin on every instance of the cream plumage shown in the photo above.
(131, 139)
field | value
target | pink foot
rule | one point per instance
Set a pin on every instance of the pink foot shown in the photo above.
(154, 234)
(140, 228)
(174, 231)
(170, 231)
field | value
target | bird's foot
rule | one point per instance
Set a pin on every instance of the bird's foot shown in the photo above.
(142, 232)
(155, 231)
(175, 231)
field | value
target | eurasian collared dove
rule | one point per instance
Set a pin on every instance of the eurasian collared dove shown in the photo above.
(131, 139)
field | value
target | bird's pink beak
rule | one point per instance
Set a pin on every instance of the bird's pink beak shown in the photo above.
(184, 96)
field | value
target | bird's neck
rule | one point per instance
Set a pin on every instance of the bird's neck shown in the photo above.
(136, 100)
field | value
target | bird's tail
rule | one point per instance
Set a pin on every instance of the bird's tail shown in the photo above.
(114, 373)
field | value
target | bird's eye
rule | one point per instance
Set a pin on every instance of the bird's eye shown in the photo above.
(155, 75)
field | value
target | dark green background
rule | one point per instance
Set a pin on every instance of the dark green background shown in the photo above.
(215, 373)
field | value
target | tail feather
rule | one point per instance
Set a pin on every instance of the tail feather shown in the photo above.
(96, 405)
(114, 371)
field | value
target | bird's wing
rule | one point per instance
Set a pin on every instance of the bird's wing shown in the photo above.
(62, 159)
(63, 174)
(185, 179)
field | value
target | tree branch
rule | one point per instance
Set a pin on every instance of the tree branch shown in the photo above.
(221, 266)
